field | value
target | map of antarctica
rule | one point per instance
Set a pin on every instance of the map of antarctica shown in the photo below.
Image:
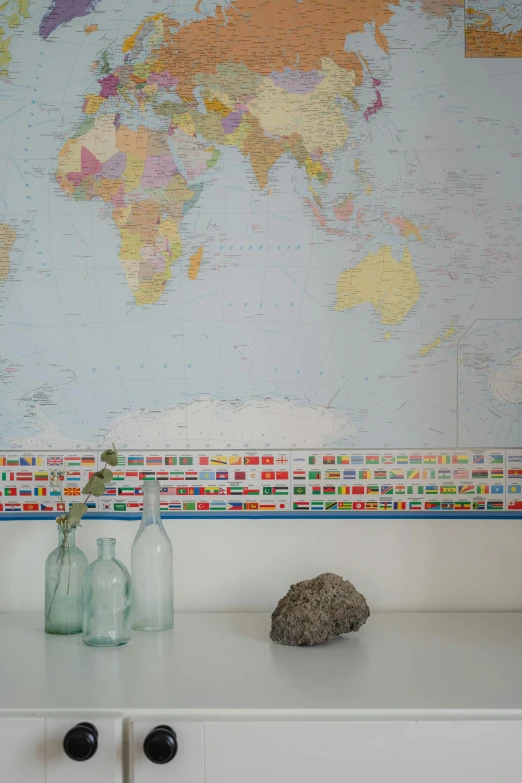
(259, 224)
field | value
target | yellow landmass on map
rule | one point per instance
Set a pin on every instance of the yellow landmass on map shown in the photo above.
(195, 262)
(427, 348)
(7, 240)
(12, 14)
(90, 28)
(390, 286)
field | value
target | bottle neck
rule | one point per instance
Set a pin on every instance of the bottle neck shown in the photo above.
(66, 537)
(151, 504)
(106, 548)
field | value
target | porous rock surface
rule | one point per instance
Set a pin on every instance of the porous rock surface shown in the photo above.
(317, 610)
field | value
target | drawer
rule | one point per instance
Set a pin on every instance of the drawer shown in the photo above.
(366, 752)
(105, 766)
(22, 750)
(185, 767)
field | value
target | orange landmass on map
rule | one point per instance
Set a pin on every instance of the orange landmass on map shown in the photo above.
(266, 36)
(483, 41)
(195, 262)
(439, 7)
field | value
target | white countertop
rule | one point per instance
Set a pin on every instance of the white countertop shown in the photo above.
(415, 663)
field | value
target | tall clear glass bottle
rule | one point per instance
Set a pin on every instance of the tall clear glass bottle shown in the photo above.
(151, 568)
(106, 599)
(64, 570)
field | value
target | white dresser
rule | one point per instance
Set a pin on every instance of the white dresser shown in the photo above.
(435, 698)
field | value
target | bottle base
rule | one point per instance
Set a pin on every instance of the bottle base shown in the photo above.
(63, 631)
(105, 641)
(153, 627)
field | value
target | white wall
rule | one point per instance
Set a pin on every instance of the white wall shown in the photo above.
(247, 565)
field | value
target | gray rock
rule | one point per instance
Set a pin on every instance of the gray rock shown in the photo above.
(318, 609)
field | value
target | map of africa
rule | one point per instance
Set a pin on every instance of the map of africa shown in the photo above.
(261, 224)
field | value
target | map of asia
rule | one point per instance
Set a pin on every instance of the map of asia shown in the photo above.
(279, 230)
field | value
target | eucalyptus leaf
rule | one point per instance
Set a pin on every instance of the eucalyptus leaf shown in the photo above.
(76, 512)
(95, 485)
(106, 475)
(110, 456)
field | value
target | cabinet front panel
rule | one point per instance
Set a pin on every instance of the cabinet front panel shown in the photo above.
(22, 750)
(363, 752)
(185, 767)
(105, 766)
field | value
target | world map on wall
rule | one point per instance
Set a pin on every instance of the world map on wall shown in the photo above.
(259, 224)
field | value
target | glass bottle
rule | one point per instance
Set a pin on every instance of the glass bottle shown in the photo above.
(64, 570)
(151, 568)
(106, 599)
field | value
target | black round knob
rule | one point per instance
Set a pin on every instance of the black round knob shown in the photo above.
(161, 745)
(81, 742)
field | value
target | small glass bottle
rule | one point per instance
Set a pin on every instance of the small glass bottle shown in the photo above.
(106, 599)
(151, 568)
(64, 570)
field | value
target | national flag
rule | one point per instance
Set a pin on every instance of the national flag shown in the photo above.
(413, 474)
(328, 490)
(10, 491)
(135, 460)
(312, 459)
(497, 472)
(300, 475)
(415, 489)
(250, 490)
(388, 459)
(372, 489)
(171, 460)
(194, 489)
(267, 459)
(387, 489)
(73, 461)
(459, 459)
(88, 460)
(372, 459)
(13, 507)
(478, 459)
(415, 459)
(514, 472)
(3, 461)
(357, 459)
(233, 459)
(73, 475)
(147, 475)
(251, 460)
(365, 475)
(134, 505)
(314, 475)
(282, 475)
(482, 489)
(119, 475)
(330, 506)
(235, 490)
(332, 475)
(269, 475)
(166, 490)
(447, 505)
(302, 505)
(188, 459)
(497, 489)
(154, 460)
(358, 505)
(358, 489)
(344, 505)
(24, 476)
(40, 491)
(239, 475)
(479, 505)
(461, 474)
(25, 491)
(444, 473)
(54, 461)
(328, 459)
(514, 489)
(385, 505)
(68, 491)
(162, 475)
(280, 490)
(349, 475)
(164, 505)
(400, 489)
(495, 505)
(267, 506)
(432, 489)
(399, 505)
(343, 490)
(381, 474)
(432, 505)
(402, 459)
(415, 505)
(110, 490)
(121, 490)
(31, 507)
(317, 505)
(203, 506)
(430, 459)
(8, 476)
(267, 490)
(221, 475)
(190, 506)
(60, 505)
(27, 460)
(444, 459)
(175, 505)
(281, 460)
(191, 475)
(448, 489)
(478, 474)
(515, 505)
(496, 459)
(397, 474)
(343, 459)
(218, 505)
(316, 489)
(106, 506)
(372, 505)
(210, 475)
(12, 461)
(183, 490)
(234, 506)
(462, 505)
(465, 489)
(428, 474)
(46, 507)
